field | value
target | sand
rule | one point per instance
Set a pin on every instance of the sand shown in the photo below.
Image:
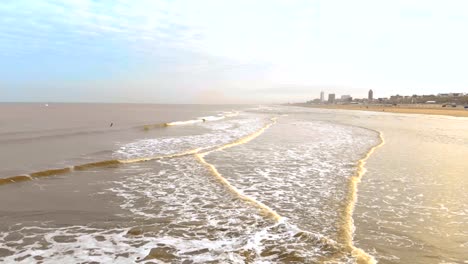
(406, 109)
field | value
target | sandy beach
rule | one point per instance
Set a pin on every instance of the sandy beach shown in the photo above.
(406, 109)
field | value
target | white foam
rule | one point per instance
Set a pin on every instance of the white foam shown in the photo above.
(304, 177)
(202, 119)
(188, 122)
(211, 118)
(183, 208)
(219, 133)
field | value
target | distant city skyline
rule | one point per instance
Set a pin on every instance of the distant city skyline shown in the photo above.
(444, 99)
(370, 95)
(212, 51)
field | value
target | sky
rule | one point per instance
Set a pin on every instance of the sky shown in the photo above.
(215, 51)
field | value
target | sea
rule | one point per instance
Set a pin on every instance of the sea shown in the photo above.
(148, 183)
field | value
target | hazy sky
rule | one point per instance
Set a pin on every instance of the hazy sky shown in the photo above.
(229, 51)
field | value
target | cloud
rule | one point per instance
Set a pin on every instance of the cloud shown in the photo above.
(82, 24)
(272, 48)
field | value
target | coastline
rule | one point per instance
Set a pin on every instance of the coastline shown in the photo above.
(403, 109)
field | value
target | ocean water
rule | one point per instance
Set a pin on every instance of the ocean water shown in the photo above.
(229, 184)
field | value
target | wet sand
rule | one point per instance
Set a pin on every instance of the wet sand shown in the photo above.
(411, 205)
(404, 109)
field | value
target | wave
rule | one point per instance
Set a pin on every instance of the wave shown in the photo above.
(116, 162)
(86, 166)
(231, 113)
(50, 172)
(14, 179)
(201, 119)
(98, 164)
(61, 133)
(188, 122)
(198, 120)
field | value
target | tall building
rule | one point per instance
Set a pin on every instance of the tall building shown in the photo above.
(331, 98)
(371, 95)
(322, 96)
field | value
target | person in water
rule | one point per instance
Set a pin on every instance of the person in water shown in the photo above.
(111, 124)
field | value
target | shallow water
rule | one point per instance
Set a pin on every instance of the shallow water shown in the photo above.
(420, 214)
(251, 189)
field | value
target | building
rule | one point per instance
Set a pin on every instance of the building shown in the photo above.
(370, 95)
(322, 96)
(331, 98)
(346, 98)
(450, 94)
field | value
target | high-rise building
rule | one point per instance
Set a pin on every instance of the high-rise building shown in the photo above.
(371, 95)
(322, 96)
(331, 98)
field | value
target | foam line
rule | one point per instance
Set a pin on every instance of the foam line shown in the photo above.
(347, 230)
(177, 155)
(244, 139)
(200, 156)
(236, 191)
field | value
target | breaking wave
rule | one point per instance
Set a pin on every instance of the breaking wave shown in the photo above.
(198, 120)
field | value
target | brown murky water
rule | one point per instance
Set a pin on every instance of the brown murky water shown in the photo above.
(230, 184)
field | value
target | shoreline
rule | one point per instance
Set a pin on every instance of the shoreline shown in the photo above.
(402, 109)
